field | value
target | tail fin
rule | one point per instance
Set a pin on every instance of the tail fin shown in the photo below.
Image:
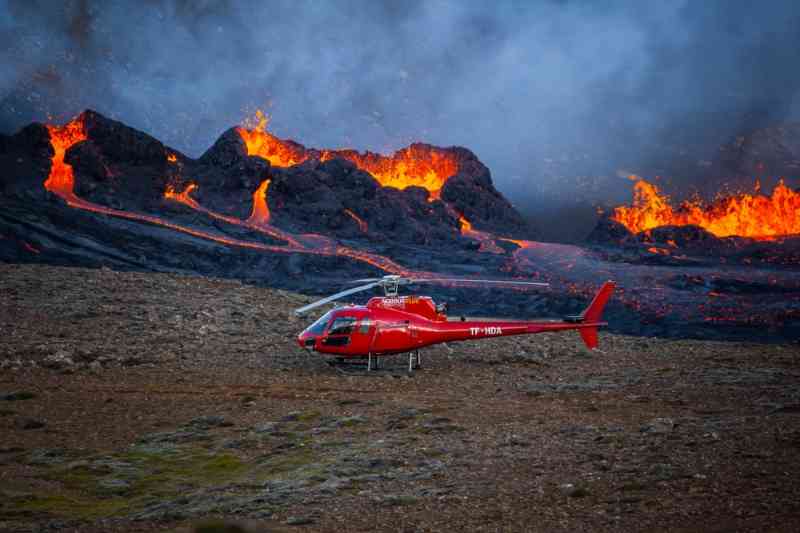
(594, 313)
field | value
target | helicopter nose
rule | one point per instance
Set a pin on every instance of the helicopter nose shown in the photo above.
(306, 341)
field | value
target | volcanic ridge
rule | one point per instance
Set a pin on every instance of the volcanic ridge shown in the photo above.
(95, 192)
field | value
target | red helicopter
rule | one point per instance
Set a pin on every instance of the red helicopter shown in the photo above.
(395, 324)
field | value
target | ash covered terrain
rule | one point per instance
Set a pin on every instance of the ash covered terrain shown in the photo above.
(272, 212)
(138, 401)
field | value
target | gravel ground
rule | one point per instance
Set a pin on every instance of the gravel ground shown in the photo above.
(143, 402)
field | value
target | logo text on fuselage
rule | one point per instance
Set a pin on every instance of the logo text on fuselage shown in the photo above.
(488, 330)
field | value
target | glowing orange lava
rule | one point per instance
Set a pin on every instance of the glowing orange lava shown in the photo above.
(521, 243)
(360, 221)
(61, 180)
(745, 215)
(260, 213)
(259, 216)
(265, 145)
(415, 166)
(486, 239)
(308, 244)
(466, 225)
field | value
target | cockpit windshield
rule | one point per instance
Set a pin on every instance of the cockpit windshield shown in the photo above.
(343, 325)
(318, 327)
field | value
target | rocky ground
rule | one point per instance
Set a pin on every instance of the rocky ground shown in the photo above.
(143, 402)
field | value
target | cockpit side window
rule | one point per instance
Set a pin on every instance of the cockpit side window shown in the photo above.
(343, 325)
(319, 326)
(363, 328)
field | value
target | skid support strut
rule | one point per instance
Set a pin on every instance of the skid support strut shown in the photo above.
(373, 362)
(414, 360)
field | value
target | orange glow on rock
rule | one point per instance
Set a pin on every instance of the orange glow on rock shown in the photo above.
(362, 225)
(61, 179)
(486, 239)
(466, 226)
(263, 144)
(415, 166)
(745, 215)
(260, 213)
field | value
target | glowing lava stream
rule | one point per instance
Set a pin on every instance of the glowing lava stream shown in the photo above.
(360, 221)
(61, 181)
(486, 239)
(415, 166)
(745, 215)
(309, 244)
(259, 216)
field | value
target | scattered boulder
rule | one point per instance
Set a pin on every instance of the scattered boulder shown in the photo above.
(60, 360)
(209, 421)
(17, 396)
(659, 426)
(299, 520)
(26, 423)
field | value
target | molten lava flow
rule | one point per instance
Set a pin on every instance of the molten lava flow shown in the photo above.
(415, 166)
(360, 221)
(308, 244)
(260, 213)
(172, 158)
(486, 239)
(744, 215)
(254, 222)
(61, 180)
(265, 145)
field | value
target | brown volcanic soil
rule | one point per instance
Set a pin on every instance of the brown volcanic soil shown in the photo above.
(166, 400)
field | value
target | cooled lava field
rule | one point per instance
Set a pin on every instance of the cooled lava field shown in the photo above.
(140, 401)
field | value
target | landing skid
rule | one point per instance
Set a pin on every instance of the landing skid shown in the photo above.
(372, 363)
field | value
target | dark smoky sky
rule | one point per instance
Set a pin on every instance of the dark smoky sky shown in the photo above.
(523, 84)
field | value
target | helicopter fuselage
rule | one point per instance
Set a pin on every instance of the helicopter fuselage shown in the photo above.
(397, 324)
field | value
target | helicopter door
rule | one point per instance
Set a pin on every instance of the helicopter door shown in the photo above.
(392, 338)
(340, 331)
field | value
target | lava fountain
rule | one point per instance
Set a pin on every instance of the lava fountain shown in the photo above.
(746, 215)
(61, 180)
(418, 165)
(261, 143)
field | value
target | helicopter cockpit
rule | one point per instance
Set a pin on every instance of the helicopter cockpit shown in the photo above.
(337, 328)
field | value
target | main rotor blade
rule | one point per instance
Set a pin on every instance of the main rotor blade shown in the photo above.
(494, 281)
(323, 301)
(364, 280)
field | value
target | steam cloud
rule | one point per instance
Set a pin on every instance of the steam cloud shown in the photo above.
(523, 84)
